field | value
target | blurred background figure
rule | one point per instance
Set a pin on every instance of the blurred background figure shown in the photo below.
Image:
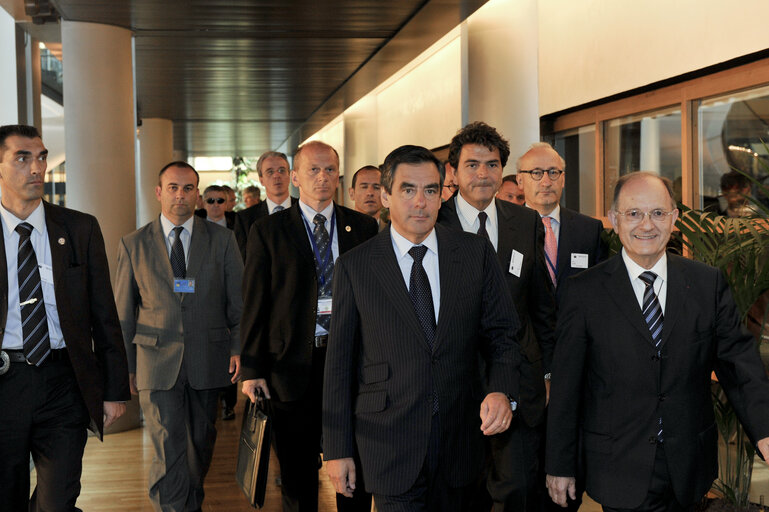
(252, 195)
(510, 191)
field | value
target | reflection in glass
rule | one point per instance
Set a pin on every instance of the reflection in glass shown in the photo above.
(577, 147)
(643, 142)
(732, 130)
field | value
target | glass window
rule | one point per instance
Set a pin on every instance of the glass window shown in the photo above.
(577, 147)
(642, 142)
(732, 131)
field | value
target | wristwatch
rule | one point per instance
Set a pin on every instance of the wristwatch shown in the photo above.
(513, 404)
(548, 376)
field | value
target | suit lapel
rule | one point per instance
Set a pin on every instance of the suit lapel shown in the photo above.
(297, 233)
(157, 246)
(564, 243)
(449, 266)
(199, 247)
(344, 231)
(677, 285)
(447, 215)
(507, 233)
(618, 287)
(61, 245)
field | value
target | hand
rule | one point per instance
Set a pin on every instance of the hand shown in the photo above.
(112, 411)
(763, 447)
(495, 414)
(341, 472)
(558, 486)
(235, 369)
(132, 384)
(547, 392)
(250, 386)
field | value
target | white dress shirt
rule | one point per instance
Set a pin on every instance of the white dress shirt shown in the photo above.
(430, 263)
(271, 205)
(309, 215)
(13, 338)
(639, 287)
(468, 217)
(170, 235)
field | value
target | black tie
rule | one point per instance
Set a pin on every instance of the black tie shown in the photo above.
(652, 311)
(325, 274)
(421, 294)
(482, 225)
(178, 264)
(34, 323)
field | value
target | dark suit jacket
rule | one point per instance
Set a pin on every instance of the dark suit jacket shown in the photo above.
(280, 294)
(86, 308)
(381, 374)
(521, 229)
(609, 387)
(245, 218)
(579, 234)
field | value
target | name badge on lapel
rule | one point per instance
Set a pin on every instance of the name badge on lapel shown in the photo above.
(184, 285)
(516, 263)
(578, 260)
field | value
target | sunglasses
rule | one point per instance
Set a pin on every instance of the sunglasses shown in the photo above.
(219, 200)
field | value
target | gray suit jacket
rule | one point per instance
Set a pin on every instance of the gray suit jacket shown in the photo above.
(163, 329)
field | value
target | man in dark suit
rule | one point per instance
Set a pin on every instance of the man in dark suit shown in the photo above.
(287, 309)
(572, 240)
(365, 193)
(62, 366)
(638, 338)
(415, 307)
(215, 202)
(178, 295)
(477, 155)
(272, 168)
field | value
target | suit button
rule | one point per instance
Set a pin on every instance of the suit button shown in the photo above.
(652, 440)
(661, 397)
(435, 360)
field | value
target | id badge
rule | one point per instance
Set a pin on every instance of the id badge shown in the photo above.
(184, 285)
(578, 260)
(516, 263)
(324, 305)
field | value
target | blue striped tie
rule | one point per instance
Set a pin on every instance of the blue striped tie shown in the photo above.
(652, 311)
(34, 322)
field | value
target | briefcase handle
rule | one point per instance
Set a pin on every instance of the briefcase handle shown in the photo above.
(253, 410)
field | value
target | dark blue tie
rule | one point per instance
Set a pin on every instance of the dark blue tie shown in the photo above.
(278, 208)
(325, 274)
(34, 322)
(178, 264)
(652, 311)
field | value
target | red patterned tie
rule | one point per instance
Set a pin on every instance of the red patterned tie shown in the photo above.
(551, 248)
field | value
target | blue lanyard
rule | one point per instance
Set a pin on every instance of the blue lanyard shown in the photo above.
(329, 254)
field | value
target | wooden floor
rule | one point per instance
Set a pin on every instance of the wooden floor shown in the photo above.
(115, 474)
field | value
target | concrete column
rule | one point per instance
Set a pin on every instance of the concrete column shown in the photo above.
(502, 42)
(100, 127)
(155, 149)
(9, 107)
(28, 79)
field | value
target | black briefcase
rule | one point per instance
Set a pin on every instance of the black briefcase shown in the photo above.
(254, 452)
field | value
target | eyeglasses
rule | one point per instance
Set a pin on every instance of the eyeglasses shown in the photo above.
(537, 174)
(636, 216)
(218, 200)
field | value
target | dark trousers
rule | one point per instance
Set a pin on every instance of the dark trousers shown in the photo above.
(297, 435)
(660, 497)
(430, 492)
(512, 475)
(43, 413)
(230, 395)
(181, 424)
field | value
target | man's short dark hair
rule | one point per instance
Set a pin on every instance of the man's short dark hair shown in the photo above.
(734, 179)
(253, 190)
(182, 164)
(482, 134)
(408, 155)
(511, 179)
(215, 188)
(269, 154)
(364, 168)
(21, 130)
(640, 174)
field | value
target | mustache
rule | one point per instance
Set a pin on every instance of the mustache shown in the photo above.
(483, 183)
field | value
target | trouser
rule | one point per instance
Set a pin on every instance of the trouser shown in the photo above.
(43, 413)
(181, 424)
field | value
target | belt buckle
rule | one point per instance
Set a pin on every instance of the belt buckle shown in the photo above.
(321, 341)
(5, 362)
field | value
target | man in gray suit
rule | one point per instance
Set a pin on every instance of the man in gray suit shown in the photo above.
(179, 299)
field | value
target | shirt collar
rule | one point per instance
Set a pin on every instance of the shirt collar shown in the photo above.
(310, 213)
(403, 245)
(634, 269)
(470, 212)
(168, 226)
(36, 219)
(272, 204)
(555, 214)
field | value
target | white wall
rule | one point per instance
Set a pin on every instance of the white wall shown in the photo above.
(591, 49)
(9, 108)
